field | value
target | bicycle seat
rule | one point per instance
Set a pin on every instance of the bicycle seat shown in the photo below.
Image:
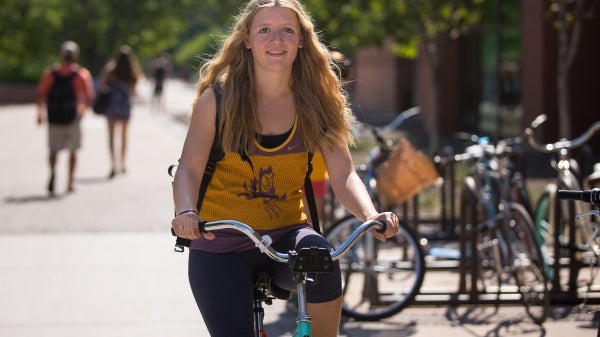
(265, 290)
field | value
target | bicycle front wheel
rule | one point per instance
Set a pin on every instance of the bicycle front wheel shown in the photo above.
(544, 233)
(528, 263)
(379, 279)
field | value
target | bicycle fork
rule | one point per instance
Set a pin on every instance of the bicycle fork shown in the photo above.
(259, 316)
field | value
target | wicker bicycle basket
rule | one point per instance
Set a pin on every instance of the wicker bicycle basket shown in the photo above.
(406, 173)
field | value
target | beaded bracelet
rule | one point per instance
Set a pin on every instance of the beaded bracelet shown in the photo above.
(187, 211)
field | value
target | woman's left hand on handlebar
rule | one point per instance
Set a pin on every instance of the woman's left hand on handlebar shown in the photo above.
(391, 225)
(186, 226)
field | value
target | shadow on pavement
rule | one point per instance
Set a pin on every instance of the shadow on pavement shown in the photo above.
(32, 198)
(93, 180)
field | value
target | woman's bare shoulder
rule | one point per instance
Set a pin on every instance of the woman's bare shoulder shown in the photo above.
(204, 108)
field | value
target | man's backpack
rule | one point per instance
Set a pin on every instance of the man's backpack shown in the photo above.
(61, 102)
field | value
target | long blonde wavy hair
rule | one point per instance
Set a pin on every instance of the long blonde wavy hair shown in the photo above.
(324, 117)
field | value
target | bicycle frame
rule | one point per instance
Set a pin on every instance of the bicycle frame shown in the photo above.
(484, 182)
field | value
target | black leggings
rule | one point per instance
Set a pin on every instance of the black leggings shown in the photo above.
(222, 283)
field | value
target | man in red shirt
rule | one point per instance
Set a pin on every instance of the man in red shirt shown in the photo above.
(63, 105)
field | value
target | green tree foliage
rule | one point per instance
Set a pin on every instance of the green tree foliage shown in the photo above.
(417, 28)
(208, 27)
(31, 31)
(352, 24)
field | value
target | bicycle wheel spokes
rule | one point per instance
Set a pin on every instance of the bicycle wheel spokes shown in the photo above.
(489, 258)
(380, 279)
(490, 271)
(528, 264)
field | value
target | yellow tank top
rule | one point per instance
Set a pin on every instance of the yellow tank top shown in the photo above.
(319, 172)
(263, 190)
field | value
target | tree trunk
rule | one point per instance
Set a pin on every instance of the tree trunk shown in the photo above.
(569, 36)
(431, 49)
(562, 81)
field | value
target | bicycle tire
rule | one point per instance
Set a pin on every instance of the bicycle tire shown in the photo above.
(382, 285)
(547, 231)
(520, 193)
(488, 256)
(527, 263)
(543, 233)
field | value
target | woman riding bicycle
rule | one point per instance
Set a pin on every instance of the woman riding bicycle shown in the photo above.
(279, 100)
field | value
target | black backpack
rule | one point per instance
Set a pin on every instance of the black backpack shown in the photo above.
(61, 102)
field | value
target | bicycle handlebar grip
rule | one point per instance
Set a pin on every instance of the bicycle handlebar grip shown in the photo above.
(383, 227)
(171, 170)
(202, 226)
(591, 196)
(180, 243)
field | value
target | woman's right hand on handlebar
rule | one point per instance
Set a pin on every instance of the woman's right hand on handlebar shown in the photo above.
(186, 226)
(391, 225)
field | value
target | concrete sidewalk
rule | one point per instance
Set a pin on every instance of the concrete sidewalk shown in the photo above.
(99, 262)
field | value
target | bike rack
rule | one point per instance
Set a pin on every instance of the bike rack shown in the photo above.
(468, 291)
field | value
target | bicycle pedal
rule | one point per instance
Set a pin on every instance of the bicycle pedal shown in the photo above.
(311, 259)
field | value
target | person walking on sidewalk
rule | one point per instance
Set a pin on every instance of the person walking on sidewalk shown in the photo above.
(65, 91)
(120, 76)
(277, 99)
(161, 68)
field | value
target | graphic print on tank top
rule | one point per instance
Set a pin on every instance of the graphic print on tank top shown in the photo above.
(264, 187)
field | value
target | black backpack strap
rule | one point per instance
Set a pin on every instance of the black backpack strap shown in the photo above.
(216, 151)
(310, 196)
(216, 154)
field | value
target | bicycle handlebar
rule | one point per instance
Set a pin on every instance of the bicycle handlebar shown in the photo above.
(476, 151)
(481, 146)
(404, 115)
(562, 144)
(263, 243)
(591, 196)
(476, 139)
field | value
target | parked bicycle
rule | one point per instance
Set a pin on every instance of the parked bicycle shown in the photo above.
(377, 155)
(505, 157)
(302, 262)
(503, 254)
(380, 279)
(560, 238)
(591, 241)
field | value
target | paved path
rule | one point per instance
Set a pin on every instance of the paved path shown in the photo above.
(99, 262)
